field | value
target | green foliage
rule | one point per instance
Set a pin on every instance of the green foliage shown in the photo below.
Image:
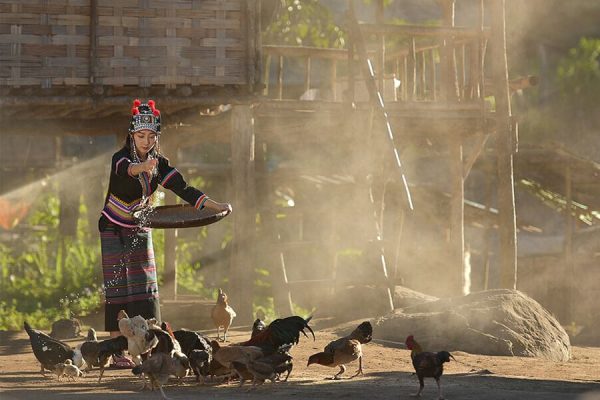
(50, 277)
(578, 73)
(570, 114)
(304, 23)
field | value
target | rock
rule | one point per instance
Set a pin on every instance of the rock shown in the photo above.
(494, 322)
(66, 329)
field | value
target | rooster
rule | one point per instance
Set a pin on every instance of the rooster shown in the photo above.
(345, 350)
(427, 364)
(222, 314)
(279, 333)
(50, 351)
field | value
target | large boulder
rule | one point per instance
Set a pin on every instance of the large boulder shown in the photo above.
(493, 322)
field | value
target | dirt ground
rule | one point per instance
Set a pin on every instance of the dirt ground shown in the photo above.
(387, 376)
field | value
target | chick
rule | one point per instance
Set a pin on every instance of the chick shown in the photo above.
(67, 369)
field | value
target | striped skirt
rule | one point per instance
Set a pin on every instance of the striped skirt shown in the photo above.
(129, 271)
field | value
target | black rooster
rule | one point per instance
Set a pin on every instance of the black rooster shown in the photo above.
(285, 331)
(427, 364)
(47, 350)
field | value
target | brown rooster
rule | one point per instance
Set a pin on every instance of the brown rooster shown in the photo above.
(222, 314)
(345, 350)
(427, 364)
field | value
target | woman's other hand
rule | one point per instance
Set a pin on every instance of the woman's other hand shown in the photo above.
(149, 165)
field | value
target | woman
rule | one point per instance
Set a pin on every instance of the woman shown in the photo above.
(128, 263)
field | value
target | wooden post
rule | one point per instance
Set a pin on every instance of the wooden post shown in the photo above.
(307, 74)
(169, 287)
(244, 211)
(447, 59)
(280, 78)
(457, 229)
(253, 58)
(351, 71)
(93, 57)
(432, 77)
(506, 194)
(380, 20)
(412, 70)
(569, 279)
(267, 75)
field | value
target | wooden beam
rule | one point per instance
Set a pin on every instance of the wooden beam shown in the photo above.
(425, 31)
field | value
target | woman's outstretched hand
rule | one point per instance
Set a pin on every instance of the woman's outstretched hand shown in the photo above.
(217, 207)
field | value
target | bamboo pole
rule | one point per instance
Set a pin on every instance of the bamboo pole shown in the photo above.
(506, 195)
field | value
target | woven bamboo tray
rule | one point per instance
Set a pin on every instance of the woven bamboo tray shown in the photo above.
(177, 216)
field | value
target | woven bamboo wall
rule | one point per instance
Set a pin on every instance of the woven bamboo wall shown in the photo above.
(134, 42)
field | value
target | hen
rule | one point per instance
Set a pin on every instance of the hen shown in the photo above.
(272, 366)
(158, 367)
(345, 350)
(139, 340)
(257, 327)
(222, 315)
(168, 344)
(427, 364)
(98, 353)
(50, 351)
(198, 350)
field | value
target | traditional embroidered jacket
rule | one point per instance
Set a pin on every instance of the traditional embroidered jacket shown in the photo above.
(126, 192)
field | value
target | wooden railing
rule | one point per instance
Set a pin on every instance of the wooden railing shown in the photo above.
(434, 64)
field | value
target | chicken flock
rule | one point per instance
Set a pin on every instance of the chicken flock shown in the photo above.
(161, 354)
